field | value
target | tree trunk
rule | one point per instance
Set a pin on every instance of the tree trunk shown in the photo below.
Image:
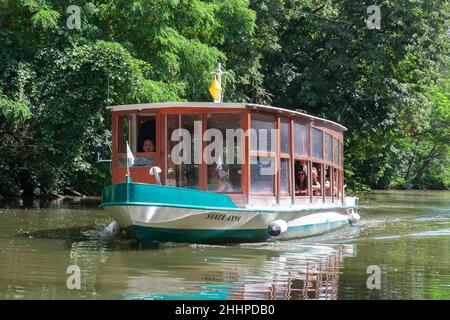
(426, 162)
(411, 161)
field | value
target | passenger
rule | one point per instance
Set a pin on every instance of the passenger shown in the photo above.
(235, 179)
(301, 183)
(328, 187)
(315, 182)
(148, 145)
(224, 184)
(190, 176)
(327, 184)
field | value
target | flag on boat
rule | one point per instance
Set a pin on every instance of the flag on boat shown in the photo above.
(130, 157)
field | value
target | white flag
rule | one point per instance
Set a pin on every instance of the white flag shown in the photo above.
(130, 157)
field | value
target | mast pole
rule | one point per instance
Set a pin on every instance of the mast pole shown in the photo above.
(219, 79)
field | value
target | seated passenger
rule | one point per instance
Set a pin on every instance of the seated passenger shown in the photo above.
(148, 145)
(223, 184)
(327, 184)
(190, 178)
(301, 184)
(328, 188)
(145, 161)
(235, 179)
(315, 182)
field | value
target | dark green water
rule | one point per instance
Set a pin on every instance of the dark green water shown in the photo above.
(405, 234)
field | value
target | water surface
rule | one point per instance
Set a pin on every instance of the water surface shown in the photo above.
(404, 234)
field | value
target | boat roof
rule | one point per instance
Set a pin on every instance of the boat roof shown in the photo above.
(224, 105)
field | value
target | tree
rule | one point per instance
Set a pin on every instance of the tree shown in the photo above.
(126, 52)
(372, 81)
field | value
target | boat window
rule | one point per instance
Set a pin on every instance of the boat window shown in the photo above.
(285, 170)
(317, 143)
(301, 139)
(284, 136)
(124, 133)
(316, 179)
(135, 130)
(328, 148)
(183, 150)
(263, 139)
(336, 151)
(147, 134)
(224, 152)
(262, 175)
(263, 162)
(284, 176)
(301, 178)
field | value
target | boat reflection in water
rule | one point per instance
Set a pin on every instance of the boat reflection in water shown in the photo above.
(270, 272)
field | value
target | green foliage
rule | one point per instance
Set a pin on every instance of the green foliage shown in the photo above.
(375, 82)
(388, 86)
(12, 112)
(55, 83)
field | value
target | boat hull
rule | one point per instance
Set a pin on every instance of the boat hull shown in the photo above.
(152, 224)
(158, 220)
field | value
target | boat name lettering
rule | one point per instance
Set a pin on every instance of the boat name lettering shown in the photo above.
(222, 217)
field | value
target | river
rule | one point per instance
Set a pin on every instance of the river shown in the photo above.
(399, 250)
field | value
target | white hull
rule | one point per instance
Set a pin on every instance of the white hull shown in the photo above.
(300, 222)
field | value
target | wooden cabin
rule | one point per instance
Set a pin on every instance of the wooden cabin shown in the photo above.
(303, 146)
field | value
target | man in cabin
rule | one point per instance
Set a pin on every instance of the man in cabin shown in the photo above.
(148, 145)
(144, 161)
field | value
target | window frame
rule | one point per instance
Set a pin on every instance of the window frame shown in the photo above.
(121, 143)
(268, 154)
(337, 173)
(284, 156)
(243, 151)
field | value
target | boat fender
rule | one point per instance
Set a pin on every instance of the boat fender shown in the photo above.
(277, 227)
(353, 218)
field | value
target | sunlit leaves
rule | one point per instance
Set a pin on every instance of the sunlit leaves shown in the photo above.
(43, 16)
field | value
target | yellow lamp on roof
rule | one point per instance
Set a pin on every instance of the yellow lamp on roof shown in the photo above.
(215, 89)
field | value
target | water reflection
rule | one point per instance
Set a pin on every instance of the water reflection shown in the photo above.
(314, 274)
(287, 272)
(35, 256)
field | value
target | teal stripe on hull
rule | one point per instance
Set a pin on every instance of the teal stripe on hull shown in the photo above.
(223, 209)
(140, 194)
(148, 235)
(150, 193)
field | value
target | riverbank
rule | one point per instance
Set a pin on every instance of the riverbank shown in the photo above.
(50, 202)
(86, 199)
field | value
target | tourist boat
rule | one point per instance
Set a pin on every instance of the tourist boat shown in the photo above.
(216, 172)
